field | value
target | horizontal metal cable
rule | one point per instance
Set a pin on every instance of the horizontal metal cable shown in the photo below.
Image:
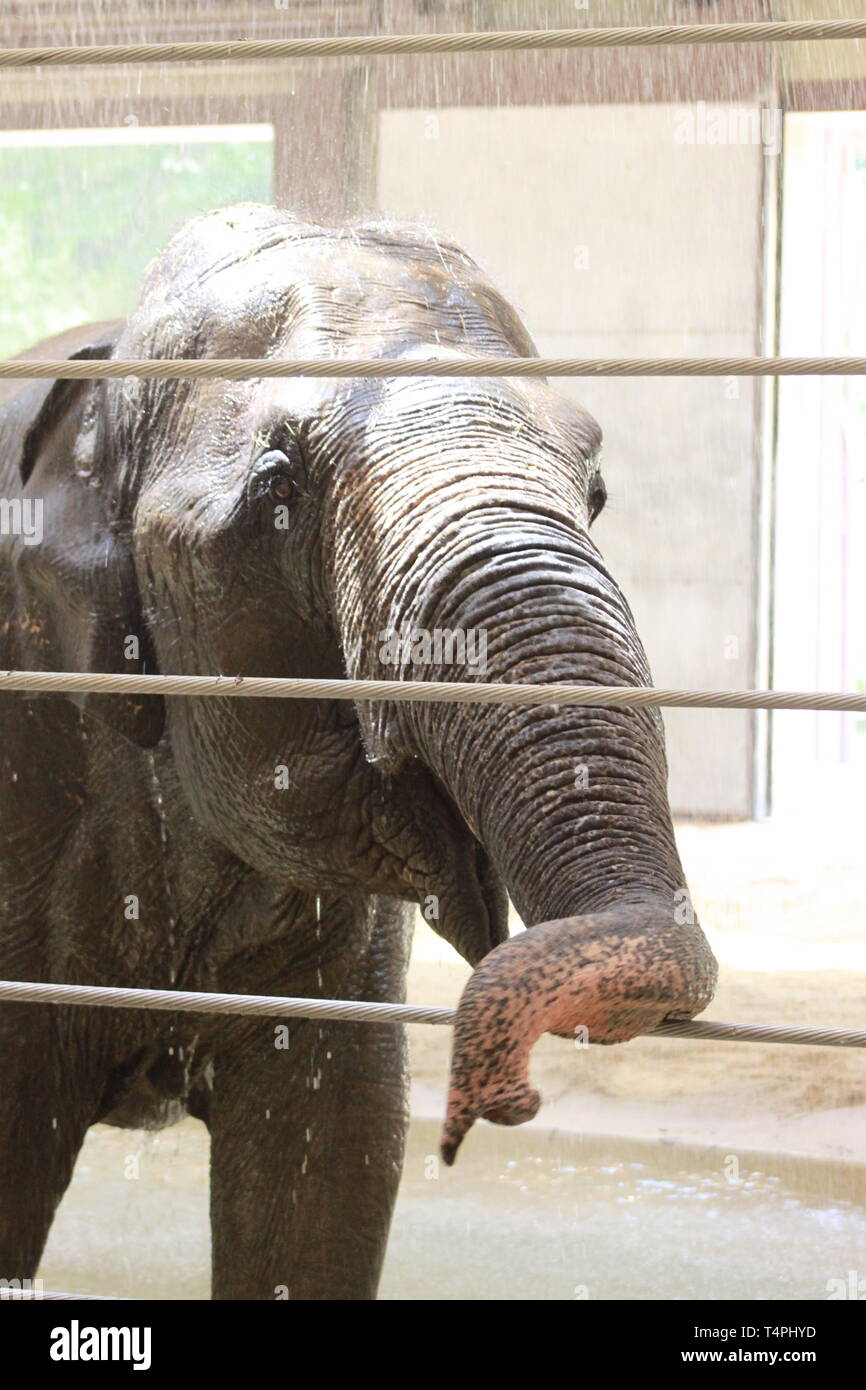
(708, 1029)
(244, 368)
(355, 1011)
(436, 692)
(506, 41)
(265, 1005)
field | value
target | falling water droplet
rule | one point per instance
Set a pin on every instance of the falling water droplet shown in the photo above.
(167, 885)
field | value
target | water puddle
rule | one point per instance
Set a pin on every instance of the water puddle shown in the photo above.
(523, 1215)
(572, 1218)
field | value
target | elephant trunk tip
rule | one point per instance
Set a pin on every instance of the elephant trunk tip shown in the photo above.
(603, 978)
(514, 1105)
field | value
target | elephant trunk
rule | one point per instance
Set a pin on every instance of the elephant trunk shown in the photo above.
(570, 803)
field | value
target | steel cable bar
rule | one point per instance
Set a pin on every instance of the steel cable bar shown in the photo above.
(179, 1001)
(503, 41)
(246, 368)
(360, 1011)
(436, 692)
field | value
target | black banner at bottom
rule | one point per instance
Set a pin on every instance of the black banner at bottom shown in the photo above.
(82, 1338)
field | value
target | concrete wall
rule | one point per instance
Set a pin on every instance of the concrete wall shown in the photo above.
(614, 237)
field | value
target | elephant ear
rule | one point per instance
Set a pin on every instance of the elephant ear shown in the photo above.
(77, 595)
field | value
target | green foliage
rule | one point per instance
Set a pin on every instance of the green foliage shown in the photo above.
(79, 223)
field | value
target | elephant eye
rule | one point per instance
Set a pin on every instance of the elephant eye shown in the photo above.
(596, 497)
(281, 487)
(275, 477)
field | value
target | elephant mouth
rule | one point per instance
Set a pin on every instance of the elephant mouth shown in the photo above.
(475, 906)
(493, 897)
(463, 898)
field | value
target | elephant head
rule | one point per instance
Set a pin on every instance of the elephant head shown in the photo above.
(435, 529)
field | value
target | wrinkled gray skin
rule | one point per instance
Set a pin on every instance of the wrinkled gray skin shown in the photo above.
(427, 503)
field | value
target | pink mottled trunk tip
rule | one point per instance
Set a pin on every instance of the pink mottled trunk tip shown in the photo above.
(604, 978)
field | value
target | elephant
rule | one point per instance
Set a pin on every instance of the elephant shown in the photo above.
(290, 527)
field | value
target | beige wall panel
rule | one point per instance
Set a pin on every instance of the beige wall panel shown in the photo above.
(614, 237)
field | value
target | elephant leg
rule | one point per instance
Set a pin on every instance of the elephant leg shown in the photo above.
(44, 1115)
(307, 1141)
